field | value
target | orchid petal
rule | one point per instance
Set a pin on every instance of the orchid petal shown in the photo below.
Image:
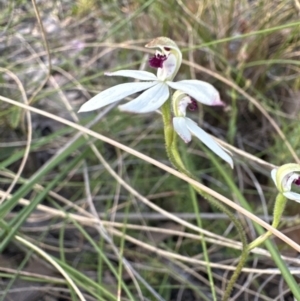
(168, 69)
(201, 91)
(292, 196)
(273, 175)
(208, 141)
(181, 129)
(114, 94)
(137, 74)
(149, 101)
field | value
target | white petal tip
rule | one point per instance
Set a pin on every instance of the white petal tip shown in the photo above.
(228, 159)
(132, 111)
(122, 110)
(108, 73)
(185, 140)
(81, 110)
(86, 107)
(219, 103)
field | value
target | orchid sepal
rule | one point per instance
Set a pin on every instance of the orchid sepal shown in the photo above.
(149, 101)
(201, 91)
(136, 74)
(114, 94)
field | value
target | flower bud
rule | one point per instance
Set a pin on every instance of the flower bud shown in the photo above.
(287, 180)
(180, 102)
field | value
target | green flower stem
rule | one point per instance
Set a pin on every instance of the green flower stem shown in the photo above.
(279, 206)
(169, 133)
(175, 159)
(277, 213)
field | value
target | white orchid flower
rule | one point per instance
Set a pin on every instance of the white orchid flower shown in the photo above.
(286, 179)
(186, 127)
(156, 88)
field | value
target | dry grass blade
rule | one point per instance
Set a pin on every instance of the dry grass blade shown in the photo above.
(162, 166)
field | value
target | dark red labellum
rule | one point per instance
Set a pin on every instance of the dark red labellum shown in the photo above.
(297, 182)
(157, 61)
(193, 106)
